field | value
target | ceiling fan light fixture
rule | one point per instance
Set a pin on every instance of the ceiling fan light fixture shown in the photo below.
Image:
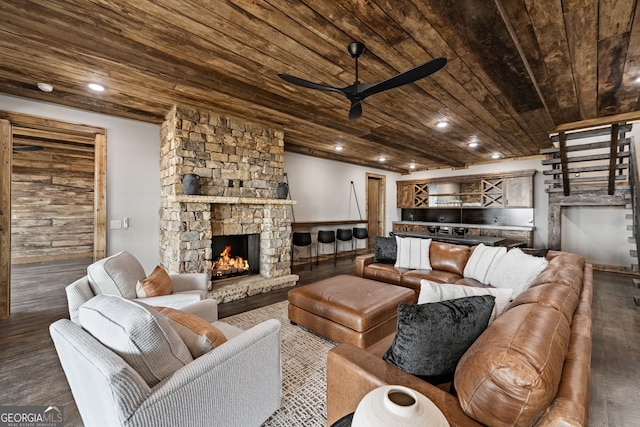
(473, 144)
(357, 92)
(96, 87)
(495, 156)
(45, 87)
(339, 148)
(382, 159)
(412, 166)
(442, 124)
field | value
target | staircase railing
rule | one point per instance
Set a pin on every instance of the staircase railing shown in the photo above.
(634, 180)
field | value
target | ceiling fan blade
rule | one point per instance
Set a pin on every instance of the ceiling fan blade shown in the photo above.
(409, 76)
(356, 110)
(306, 83)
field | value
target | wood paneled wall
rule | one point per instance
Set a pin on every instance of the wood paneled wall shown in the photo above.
(52, 203)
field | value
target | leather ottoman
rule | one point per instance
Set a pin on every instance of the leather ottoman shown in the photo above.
(348, 309)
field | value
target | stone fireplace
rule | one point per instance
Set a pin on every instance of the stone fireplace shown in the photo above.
(240, 165)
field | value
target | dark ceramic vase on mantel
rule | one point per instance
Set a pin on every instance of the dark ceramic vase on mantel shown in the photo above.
(282, 191)
(190, 184)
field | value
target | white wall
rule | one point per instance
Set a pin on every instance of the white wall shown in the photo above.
(133, 174)
(322, 189)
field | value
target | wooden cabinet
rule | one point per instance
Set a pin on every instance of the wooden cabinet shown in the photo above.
(505, 190)
(518, 191)
(404, 228)
(404, 194)
(412, 195)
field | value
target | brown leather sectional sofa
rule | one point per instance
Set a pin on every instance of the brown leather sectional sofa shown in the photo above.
(447, 266)
(531, 366)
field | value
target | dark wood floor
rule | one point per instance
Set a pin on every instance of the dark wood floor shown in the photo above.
(31, 373)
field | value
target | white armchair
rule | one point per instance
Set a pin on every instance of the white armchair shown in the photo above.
(119, 274)
(237, 384)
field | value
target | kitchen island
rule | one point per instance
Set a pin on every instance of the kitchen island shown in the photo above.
(489, 234)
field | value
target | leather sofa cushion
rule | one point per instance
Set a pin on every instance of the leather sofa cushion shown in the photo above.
(384, 273)
(511, 374)
(448, 257)
(411, 279)
(562, 298)
(566, 268)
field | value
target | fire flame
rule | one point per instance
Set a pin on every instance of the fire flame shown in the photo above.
(227, 264)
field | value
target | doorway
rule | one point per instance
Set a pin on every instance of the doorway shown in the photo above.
(20, 133)
(376, 209)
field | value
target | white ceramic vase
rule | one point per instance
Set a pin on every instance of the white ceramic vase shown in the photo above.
(397, 406)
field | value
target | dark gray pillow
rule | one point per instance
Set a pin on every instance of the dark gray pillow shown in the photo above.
(431, 338)
(386, 250)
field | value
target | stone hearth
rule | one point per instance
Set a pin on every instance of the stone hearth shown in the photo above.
(240, 165)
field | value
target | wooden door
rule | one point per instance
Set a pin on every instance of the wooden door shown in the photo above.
(5, 218)
(375, 206)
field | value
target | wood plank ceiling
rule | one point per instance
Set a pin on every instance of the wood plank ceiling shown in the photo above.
(516, 69)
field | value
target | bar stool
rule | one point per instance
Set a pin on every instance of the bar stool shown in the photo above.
(360, 234)
(326, 236)
(344, 235)
(301, 239)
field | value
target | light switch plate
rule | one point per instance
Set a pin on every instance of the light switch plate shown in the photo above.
(116, 223)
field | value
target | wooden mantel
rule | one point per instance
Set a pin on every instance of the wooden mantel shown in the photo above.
(221, 200)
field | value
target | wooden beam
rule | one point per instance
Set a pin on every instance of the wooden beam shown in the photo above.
(100, 198)
(600, 121)
(564, 164)
(612, 158)
(5, 218)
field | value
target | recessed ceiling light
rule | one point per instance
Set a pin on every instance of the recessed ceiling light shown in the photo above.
(45, 87)
(495, 156)
(382, 159)
(96, 87)
(442, 124)
(339, 147)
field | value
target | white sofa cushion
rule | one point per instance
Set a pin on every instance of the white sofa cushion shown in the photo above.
(116, 275)
(176, 300)
(413, 253)
(436, 292)
(137, 333)
(482, 260)
(516, 270)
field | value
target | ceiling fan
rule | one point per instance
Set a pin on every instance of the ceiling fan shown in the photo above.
(357, 92)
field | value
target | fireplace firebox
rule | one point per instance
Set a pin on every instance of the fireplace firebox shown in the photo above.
(235, 255)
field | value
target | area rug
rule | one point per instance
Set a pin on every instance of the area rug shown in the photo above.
(304, 363)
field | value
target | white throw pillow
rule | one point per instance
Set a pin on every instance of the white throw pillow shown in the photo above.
(516, 270)
(137, 333)
(436, 292)
(413, 253)
(482, 260)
